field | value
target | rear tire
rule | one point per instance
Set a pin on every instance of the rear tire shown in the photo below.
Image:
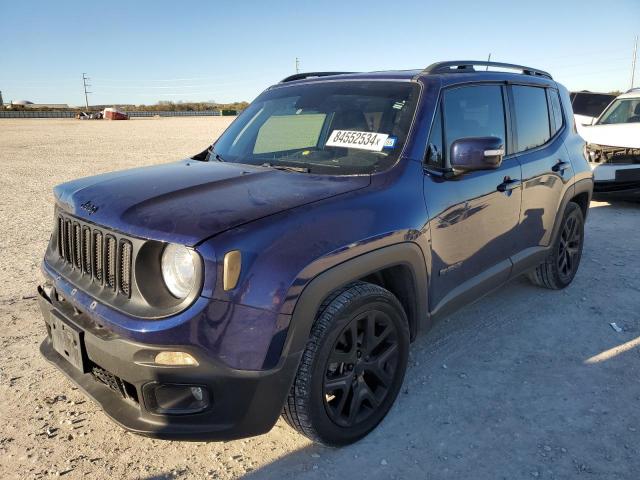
(561, 265)
(352, 368)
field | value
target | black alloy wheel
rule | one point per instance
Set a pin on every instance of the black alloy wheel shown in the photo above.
(352, 367)
(570, 246)
(360, 368)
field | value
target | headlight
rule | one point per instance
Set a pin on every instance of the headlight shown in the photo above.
(178, 270)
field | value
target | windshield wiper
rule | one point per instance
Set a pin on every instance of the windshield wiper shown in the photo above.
(287, 168)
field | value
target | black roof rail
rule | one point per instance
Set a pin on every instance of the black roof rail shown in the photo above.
(462, 66)
(301, 76)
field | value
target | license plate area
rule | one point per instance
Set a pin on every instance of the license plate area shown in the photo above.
(67, 340)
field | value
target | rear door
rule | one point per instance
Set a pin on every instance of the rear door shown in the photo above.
(472, 222)
(539, 128)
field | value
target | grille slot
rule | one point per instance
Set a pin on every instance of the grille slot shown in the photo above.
(77, 245)
(86, 250)
(61, 237)
(67, 240)
(124, 272)
(106, 260)
(110, 262)
(98, 265)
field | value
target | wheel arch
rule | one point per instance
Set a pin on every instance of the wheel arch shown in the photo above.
(400, 268)
(580, 193)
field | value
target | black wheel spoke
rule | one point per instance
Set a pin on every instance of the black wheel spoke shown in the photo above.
(341, 383)
(356, 402)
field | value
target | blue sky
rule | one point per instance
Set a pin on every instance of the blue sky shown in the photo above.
(146, 51)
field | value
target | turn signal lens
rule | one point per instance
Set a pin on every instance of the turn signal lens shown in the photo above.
(175, 358)
(232, 265)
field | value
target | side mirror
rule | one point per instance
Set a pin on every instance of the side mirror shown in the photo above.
(476, 153)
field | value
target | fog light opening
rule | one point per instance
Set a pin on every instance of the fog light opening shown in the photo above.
(175, 359)
(176, 399)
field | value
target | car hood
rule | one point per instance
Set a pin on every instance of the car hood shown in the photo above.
(626, 135)
(189, 201)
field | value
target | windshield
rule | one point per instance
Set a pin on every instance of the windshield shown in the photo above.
(339, 128)
(624, 110)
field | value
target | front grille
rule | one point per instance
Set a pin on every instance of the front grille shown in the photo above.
(95, 254)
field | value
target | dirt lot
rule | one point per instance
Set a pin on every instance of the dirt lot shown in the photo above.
(502, 389)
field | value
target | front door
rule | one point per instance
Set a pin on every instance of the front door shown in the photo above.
(473, 216)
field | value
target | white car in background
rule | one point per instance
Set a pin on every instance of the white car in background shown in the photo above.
(613, 146)
(587, 106)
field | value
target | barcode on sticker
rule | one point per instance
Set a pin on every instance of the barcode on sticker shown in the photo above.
(354, 139)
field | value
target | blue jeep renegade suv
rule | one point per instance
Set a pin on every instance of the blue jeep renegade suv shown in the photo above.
(286, 269)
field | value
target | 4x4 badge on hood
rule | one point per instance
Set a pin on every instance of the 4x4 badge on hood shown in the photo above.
(89, 207)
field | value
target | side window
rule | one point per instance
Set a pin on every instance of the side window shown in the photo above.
(435, 156)
(474, 111)
(558, 120)
(532, 117)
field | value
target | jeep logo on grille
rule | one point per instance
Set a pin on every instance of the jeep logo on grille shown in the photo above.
(89, 207)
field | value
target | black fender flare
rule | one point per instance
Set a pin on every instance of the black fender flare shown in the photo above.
(584, 185)
(407, 253)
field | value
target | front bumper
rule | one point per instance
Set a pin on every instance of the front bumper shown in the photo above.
(621, 180)
(242, 402)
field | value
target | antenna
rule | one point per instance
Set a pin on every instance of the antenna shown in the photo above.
(297, 65)
(488, 60)
(85, 84)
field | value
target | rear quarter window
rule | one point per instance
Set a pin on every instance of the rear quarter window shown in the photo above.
(556, 110)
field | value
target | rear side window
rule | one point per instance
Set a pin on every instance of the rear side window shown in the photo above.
(474, 111)
(556, 109)
(532, 117)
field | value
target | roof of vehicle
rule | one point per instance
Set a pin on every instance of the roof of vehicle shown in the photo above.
(633, 93)
(453, 71)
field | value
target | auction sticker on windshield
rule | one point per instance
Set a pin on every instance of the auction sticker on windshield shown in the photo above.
(354, 139)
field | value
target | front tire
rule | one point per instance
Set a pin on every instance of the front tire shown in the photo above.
(561, 266)
(352, 368)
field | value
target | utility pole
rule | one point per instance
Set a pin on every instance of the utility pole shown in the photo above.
(633, 61)
(1, 102)
(297, 65)
(85, 84)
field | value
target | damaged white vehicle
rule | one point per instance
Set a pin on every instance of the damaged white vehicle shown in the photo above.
(613, 146)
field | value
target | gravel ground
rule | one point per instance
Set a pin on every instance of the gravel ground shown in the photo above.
(502, 389)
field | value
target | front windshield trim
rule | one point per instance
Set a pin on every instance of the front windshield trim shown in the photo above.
(410, 128)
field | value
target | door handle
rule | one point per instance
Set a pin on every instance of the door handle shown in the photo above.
(561, 166)
(509, 184)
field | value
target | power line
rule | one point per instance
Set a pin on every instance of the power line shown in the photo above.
(85, 84)
(633, 62)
